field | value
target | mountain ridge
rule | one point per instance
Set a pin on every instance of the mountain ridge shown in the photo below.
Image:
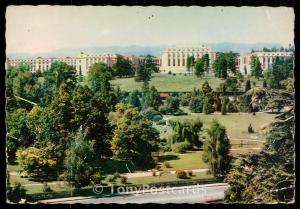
(138, 50)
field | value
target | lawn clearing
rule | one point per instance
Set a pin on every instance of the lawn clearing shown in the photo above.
(186, 161)
(167, 177)
(236, 123)
(168, 83)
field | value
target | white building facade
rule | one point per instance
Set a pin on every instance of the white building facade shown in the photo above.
(266, 59)
(82, 62)
(174, 59)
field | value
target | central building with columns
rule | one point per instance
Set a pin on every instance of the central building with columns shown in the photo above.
(174, 59)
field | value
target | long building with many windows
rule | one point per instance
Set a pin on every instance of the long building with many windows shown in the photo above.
(266, 59)
(174, 59)
(82, 62)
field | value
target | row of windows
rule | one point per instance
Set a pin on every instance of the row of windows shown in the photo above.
(174, 62)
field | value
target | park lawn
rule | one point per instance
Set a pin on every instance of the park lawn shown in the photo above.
(167, 177)
(168, 83)
(185, 161)
(236, 123)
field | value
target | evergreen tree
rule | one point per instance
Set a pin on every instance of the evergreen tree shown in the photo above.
(256, 69)
(199, 67)
(216, 150)
(78, 164)
(134, 99)
(224, 104)
(220, 66)
(247, 85)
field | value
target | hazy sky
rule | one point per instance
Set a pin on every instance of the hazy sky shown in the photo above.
(36, 29)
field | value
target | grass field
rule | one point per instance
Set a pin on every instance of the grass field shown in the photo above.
(165, 82)
(171, 83)
(186, 161)
(166, 177)
(235, 123)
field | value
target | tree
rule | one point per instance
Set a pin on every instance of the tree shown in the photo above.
(281, 70)
(16, 193)
(189, 132)
(216, 150)
(78, 164)
(134, 138)
(123, 67)
(207, 107)
(60, 72)
(99, 76)
(288, 84)
(268, 176)
(145, 69)
(39, 162)
(200, 67)
(134, 99)
(173, 104)
(205, 58)
(231, 63)
(25, 85)
(18, 133)
(232, 84)
(224, 104)
(206, 89)
(220, 66)
(190, 62)
(247, 85)
(196, 104)
(256, 69)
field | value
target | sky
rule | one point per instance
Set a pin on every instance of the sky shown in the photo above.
(34, 29)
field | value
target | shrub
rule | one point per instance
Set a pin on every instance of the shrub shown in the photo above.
(161, 122)
(190, 172)
(185, 99)
(231, 107)
(123, 179)
(151, 114)
(181, 174)
(181, 147)
(116, 175)
(250, 129)
(16, 193)
(196, 104)
(153, 173)
(110, 179)
(167, 164)
(157, 118)
(170, 72)
(97, 177)
(174, 74)
(208, 172)
(46, 187)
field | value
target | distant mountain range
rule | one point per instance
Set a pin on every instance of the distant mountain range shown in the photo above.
(143, 50)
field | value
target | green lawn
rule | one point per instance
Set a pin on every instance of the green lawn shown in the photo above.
(170, 83)
(165, 82)
(166, 177)
(186, 161)
(235, 123)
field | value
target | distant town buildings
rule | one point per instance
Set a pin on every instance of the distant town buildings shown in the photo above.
(266, 59)
(174, 59)
(82, 62)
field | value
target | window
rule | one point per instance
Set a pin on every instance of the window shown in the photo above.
(169, 62)
(173, 62)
